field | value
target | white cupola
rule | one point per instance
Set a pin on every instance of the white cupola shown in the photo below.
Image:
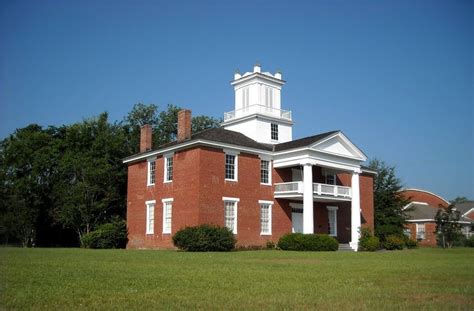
(258, 112)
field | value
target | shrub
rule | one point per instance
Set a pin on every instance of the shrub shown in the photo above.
(271, 245)
(367, 242)
(410, 243)
(470, 242)
(371, 244)
(109, 235)
(204, 238)
(308, 242)
(393, 242)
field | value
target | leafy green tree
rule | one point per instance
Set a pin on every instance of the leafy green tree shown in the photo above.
(458, 200)
(200, 123)
(92, 180)
(389, 217)
(448, 228)
(28, 164)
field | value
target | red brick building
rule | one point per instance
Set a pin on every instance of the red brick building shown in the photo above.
(421, 214)
(249, 175)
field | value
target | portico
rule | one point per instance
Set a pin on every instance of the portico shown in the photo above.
(327, 173)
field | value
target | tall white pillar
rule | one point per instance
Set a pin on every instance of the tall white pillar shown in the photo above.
(355, 211)
(308, 220)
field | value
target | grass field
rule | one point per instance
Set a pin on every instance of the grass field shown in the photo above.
(251, 280)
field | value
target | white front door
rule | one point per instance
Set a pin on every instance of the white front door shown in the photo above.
(297, 222)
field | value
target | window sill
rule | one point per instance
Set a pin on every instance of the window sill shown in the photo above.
(233, 180)
(149, 233)
(149, 185)
(262, 184)
(267, 234)
(167, 181)
(166, 232)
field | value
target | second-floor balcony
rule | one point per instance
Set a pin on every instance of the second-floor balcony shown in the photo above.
(295, 189)
(263, 110)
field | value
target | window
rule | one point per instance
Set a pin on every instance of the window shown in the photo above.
(168, 168)
(265, 172)
(167, 211)
(420, 231)
(266, 217)
(150, 216)
(230, 167)
(274, 131)
(330, 179)
(332, 220)
(230, 213)
(151, 172)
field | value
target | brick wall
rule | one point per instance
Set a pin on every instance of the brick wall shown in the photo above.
(430, 235)
(422, 196)
(198, 187)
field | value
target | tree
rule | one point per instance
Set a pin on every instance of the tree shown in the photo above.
(201, 123)
(448, 227)
(27, 162)
(91, 177)
(458, 200)
(389, 217)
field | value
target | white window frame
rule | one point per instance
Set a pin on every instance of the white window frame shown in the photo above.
(149, 174)
(269, 171)
(235, 202)
(277, 131)
(150, 228)
(334, 176)
(236, 164)
(166, 158)
(333, 209)
(423, 236)
(270, 208)
(167, 203)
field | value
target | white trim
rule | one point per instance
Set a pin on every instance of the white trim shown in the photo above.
(420, 220)
(197, 142)
(414, 202)
(149, 205)
(468, 212)
(420, 190)
(148, 170)
(270, 207)
(333, 208)
(230, 199)
(165, 167)
(345, 139)
(235, 202)
(236, 165)
(269, 172)
(164, 203)
(231, 151)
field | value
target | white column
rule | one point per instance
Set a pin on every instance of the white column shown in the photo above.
(308, 220)
(355, 211)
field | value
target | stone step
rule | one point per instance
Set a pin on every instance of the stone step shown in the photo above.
(345, 248)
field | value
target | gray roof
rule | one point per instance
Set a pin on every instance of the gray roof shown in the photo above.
(421, 211)
(464, 207)
(303, 142)
(221, 135)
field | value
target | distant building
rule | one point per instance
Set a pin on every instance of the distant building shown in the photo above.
(421, 214)
(249, 175)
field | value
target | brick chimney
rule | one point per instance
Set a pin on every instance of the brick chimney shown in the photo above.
(145, 138)
(184, 125)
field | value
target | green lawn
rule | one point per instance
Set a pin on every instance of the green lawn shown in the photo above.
(250, 280)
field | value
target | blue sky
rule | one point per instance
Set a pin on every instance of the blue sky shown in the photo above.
(395, 76)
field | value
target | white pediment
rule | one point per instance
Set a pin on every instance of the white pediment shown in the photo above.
(339, 144)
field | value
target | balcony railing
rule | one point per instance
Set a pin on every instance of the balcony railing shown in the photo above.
(332, 190)
(268, 111)
(296, 188)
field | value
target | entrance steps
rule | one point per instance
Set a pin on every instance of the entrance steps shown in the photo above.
(345, 248)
